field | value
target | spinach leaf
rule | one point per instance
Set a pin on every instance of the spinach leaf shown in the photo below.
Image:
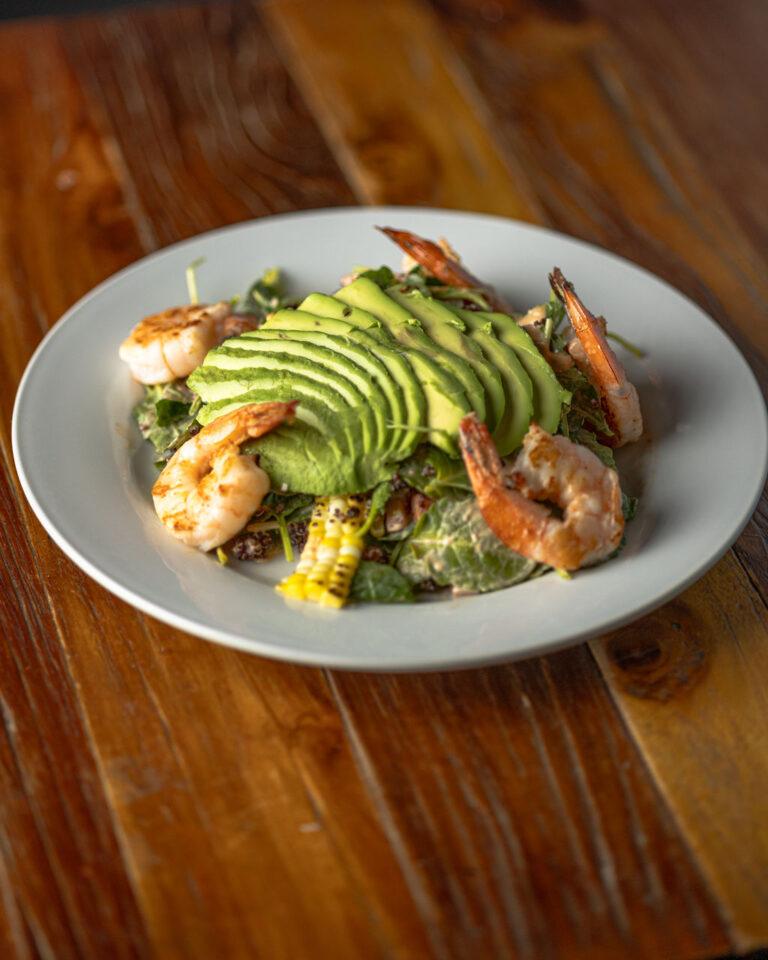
(165, 413)
(453, 546)
(380, 583)
(588, 439)
(382, 277)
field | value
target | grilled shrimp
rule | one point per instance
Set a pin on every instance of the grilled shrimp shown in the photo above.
(595, 358)
(547, 468)
(169, 345)
(439, 264)
(208, 490)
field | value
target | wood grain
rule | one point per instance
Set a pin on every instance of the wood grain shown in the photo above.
(209, 803)
(404, 122)
(60, 893)
(549, 85)
(218, 832)
(454, 762)
(211, 127)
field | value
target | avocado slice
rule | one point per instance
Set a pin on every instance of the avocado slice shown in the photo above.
(332, 447)
(359, 365)
(304, 457)
(324, 306)
(278, 349)
(446, 329)
(548, 395)
(445, 400)
(407, 330)
(241, 365)
(377, 342)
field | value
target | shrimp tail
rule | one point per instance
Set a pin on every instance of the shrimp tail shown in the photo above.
(438, 264)
(480, 455)
(606, 366)
(596, 359)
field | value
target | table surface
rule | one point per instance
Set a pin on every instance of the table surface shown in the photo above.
(161, 796)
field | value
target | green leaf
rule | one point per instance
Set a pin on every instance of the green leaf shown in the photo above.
(434, 473)
(587, 438)
(165, 413)
(380, 583)
(629, 506)
(265, 295)
(168, 411)
(453, 546)
(295, 507)
(585, 403)
(555, 312)
(383, 277)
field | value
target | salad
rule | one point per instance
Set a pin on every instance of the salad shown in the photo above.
(408, 435)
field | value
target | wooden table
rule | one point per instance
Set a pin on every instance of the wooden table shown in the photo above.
(161, 796)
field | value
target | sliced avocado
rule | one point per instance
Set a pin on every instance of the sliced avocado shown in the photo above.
(378, 342)
(445, 328)
(548, 395)
(324, 306)
(518, 391)
(407, 330)
(330, 449)
(445, 401)
(358, 364)
(323, 460)
(277, 349)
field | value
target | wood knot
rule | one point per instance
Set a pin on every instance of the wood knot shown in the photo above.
(660, 657)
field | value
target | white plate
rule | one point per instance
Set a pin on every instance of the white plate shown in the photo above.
(88, 475)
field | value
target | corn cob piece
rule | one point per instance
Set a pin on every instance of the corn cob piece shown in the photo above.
(328, 550)
(295, 585)
(348, 557)
(332, 553)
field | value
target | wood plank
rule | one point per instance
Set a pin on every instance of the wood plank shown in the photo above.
(412, 807)
(60, 893)
(222, 835)
(208, 124)
(418, 137)
(523, 780)
(676, 676)
(566, 96)
(605, 162)
(712, 84)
